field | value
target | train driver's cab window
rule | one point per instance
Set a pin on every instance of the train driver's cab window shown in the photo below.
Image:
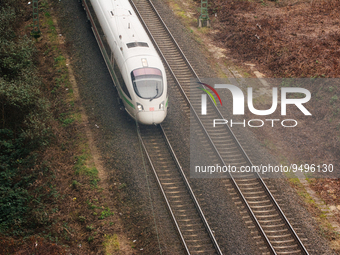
(147, 82)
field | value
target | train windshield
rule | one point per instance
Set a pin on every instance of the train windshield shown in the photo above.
(147, 82)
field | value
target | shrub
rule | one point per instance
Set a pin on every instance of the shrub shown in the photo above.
(14, 181)
(24, 117)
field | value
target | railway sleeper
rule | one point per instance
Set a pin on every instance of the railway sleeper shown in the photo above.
(257, 197)
(261, 206)
(279, 236)
(277, 230)
(208, 251)
(198, 242)
(171, 187)
(187, 216)
(175, 192)
(264, 211)
(269, 221)
(267, 216)
(250, 190)
(188, 230)
(294, 246)
(248, 182)
(258, 202)
(265, 227)
(283, 241)
(290, 252)
(200, 247)
(195, 221)
(179, 203)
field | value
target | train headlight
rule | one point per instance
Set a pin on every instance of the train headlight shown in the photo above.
(140, 107)
(161, 106)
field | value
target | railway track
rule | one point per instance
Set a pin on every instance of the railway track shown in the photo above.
(272, 227)
(194, 231)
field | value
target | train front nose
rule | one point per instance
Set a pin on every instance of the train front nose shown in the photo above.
(151, 117)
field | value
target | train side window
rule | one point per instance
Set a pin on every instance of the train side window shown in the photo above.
(120, 79)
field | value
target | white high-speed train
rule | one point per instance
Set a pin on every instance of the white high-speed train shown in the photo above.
(134, 65)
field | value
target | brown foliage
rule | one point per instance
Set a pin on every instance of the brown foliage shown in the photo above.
(291, 41)
(34, 245)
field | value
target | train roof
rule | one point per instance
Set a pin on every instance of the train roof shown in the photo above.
(126, 28)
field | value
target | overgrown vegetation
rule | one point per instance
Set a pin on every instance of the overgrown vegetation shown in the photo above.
(24, 128)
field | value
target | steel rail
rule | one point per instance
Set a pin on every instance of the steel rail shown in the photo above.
(200, 212)
(303, 249)
(187, 188)
(163, 193)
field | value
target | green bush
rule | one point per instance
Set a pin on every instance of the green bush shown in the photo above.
(14, 180)
(7, 18)
(16, 56)
(24, 117)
